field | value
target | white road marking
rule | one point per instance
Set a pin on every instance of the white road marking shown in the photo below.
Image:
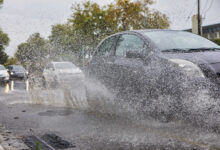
(1, 148)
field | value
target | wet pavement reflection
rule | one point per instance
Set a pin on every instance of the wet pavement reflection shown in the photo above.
(14, 85)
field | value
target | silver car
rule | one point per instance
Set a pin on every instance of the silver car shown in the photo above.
(4, 76)
(57, 72)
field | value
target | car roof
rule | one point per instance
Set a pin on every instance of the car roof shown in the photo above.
(59, 62)
(148, 30)
(15, 65)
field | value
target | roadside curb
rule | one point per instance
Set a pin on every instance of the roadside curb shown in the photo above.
(10, 142)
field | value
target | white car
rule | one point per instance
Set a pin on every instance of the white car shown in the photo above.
(4, 76)
(56, 72)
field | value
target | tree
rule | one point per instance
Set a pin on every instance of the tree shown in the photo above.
(94, 22)
(10, 61)
(217, 41)
(68, 44)
(137, 15)
(87, 26)
(64, 43)
(33, 53)
(1, 2)
(4, 41)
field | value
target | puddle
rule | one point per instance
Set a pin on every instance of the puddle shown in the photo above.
(56, 113)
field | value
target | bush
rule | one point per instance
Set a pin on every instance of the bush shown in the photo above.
(217, 41)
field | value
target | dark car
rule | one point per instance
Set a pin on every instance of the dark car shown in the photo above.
(17, 71)
(145, 66)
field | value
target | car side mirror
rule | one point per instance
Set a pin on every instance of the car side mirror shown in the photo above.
(133, 54)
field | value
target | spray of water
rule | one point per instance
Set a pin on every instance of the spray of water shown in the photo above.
(160, 90)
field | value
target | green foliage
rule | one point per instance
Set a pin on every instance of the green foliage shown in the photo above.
(11, 61)
(120, 16)
(90, 23)
(63, 42)
(3, 57)
(4, 41)
(217, 41)
(87, 26)
(38, 146)
(1, 2)
(32, 54)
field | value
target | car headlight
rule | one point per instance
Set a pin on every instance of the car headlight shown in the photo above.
(26, 72)
(11, 73)
(188, 67)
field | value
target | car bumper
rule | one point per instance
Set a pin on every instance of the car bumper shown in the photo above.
(3, 79)
(212, 85)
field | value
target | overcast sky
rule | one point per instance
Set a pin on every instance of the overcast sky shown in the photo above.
(20, 18)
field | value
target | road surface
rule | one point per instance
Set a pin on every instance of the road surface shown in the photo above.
(83, 129)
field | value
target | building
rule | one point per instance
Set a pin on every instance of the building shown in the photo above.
(210, 31)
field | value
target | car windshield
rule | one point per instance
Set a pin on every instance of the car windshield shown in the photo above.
(64, 65)
(179, 40)
(18, 68)
(2, 67)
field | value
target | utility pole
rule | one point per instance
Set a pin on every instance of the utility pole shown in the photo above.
(199, 19)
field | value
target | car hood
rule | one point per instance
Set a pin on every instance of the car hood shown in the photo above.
(18, 71)
(2, 72)
(211, 57)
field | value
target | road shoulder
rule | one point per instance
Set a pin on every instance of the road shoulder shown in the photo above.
(8, 141)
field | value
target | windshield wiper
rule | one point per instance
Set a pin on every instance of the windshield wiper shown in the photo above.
(202, 49)
(174, 50)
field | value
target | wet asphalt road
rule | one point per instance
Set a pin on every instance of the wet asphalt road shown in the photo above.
(95, 131)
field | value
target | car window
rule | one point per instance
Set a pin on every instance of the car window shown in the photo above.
(65, 65)
(166, 40)
(10, 67)
(18, 68)
(2, 67)
(106, 47)
(128, 42)
(49, 66)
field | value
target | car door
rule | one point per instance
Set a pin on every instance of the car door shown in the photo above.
(128, 65)
(100, 65)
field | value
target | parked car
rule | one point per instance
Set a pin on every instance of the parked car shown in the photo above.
(17, 71)
(56, 72)
(4, 76)
(145, 65)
